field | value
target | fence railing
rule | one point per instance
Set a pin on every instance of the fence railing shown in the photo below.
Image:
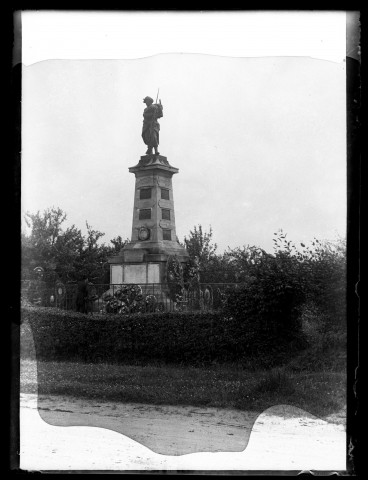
(126, 298)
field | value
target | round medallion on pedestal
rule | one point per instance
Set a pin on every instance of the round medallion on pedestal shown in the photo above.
(143, 233)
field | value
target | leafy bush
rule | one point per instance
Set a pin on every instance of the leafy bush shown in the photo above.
(283, 289)
(170, 337)
(268, 300)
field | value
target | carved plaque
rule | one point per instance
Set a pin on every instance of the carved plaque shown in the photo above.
(116, 274)
(135, 273)
(163, 203)
(153, 273)
(164, 224)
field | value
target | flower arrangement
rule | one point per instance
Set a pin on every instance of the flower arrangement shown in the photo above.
(129, 299)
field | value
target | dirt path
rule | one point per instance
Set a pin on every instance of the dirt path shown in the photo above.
(156, 438)
(167, 430)
(65, 433)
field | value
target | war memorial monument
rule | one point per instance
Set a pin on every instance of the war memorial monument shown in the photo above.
(153, 240)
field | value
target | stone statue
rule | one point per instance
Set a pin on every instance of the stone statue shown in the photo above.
(151, 127)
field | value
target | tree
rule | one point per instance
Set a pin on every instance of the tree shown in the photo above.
(201, 249)
(48, 246)
(118, 244)
(65, 254)
(199, 244)
(91, 257)
(270, 292)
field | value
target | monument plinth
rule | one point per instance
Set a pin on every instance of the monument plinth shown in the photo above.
(143, 259)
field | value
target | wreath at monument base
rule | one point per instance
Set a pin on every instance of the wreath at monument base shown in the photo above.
(130, 299)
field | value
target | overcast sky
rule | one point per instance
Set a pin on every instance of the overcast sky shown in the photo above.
(260, 142)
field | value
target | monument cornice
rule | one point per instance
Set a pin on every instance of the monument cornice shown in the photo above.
(153, 162)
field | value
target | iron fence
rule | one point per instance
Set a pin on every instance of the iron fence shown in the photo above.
(127, 298)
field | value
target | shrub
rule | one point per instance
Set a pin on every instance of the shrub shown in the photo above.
(267, 307)
(169, 337)
(276, 287)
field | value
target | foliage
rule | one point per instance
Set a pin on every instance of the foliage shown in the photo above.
(272, 290)
(202, 252)
(64, 253)
(176, 337)
(175, 279)
(118, 244)
(199, 244)
(276, 287)
(205, 264)
(191, 273)
(320, 270)
(37, 292)
(48, 245)
(268, 296)
(90, 256)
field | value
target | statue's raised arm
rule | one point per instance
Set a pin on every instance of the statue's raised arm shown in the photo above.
(151, 127)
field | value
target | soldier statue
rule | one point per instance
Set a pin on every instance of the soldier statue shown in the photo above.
(151, 127)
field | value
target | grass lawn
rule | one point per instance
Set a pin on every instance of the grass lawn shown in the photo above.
(318, 392)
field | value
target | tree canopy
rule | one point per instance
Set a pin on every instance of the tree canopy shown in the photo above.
(63, 252)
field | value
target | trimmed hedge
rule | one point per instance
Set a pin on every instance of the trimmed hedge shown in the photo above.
(277, 309)
(182, 338)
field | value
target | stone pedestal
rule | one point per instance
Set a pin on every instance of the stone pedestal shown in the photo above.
(153, 238)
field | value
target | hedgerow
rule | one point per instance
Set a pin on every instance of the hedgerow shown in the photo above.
(170, 337)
